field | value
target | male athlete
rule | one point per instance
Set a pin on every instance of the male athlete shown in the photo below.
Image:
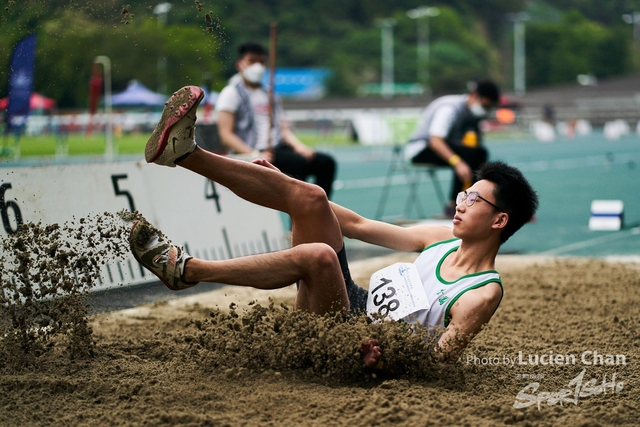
(451, 284)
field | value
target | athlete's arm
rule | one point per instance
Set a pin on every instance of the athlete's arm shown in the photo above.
(409, 239)
(468, 315)
(226, 122)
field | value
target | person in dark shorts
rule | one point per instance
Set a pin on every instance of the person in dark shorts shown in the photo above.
(449, 134)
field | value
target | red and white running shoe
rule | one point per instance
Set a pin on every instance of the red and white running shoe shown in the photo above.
(175, 135)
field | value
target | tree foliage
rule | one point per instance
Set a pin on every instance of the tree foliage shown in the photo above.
(200, 38)
(559, 51)
(69, 38)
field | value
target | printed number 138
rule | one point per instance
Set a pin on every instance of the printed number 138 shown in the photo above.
(380, 297)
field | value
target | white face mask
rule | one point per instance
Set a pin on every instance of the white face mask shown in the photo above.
(477, 110)
(253, 73)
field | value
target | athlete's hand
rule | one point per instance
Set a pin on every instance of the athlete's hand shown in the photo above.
(371, 353)
(265, 163)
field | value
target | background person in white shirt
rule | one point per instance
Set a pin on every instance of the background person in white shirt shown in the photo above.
(244, 123)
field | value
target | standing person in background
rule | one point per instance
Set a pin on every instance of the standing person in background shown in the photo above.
(244, 124)
(448, 134)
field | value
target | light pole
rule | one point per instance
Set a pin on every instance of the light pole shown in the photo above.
(109, 149)
(386, 26)
(519, 59)
(161, 10)
(422, 15)
(633, 19)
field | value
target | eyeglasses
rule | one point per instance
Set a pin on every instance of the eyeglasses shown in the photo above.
(471, 198)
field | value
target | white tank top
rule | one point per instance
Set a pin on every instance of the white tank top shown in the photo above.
(417, 293)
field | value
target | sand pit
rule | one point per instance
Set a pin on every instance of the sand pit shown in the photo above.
(180, 363)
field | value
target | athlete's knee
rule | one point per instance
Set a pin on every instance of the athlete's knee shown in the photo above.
(319, 255)
(325, 256)
(311, 199)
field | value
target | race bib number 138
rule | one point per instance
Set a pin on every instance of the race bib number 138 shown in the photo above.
(396, 292)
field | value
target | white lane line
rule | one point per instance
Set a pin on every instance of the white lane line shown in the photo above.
(397, 179)
(606, 160)
(591, 242)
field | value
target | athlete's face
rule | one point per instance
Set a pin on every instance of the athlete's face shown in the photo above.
(481, 220)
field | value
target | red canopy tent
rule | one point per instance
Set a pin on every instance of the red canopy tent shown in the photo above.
(36, 102)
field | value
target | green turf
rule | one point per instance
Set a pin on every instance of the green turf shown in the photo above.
(46, 145)
(80, 144)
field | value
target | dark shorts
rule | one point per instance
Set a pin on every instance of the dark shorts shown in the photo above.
(357, 295)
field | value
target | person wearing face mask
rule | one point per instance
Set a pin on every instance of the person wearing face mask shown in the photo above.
(244, 124)
(448, 134)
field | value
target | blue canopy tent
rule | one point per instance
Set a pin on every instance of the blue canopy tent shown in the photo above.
(138, 95)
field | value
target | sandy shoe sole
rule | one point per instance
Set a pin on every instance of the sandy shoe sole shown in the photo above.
(182, 103)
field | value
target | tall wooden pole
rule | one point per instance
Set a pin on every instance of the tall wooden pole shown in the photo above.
(273, 35)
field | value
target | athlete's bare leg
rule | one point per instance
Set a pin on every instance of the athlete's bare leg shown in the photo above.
(321, 289)
(316, 235)
(312, 218)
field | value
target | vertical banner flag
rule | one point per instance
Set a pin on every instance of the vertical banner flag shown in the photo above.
(95, 89)
(21, 73)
